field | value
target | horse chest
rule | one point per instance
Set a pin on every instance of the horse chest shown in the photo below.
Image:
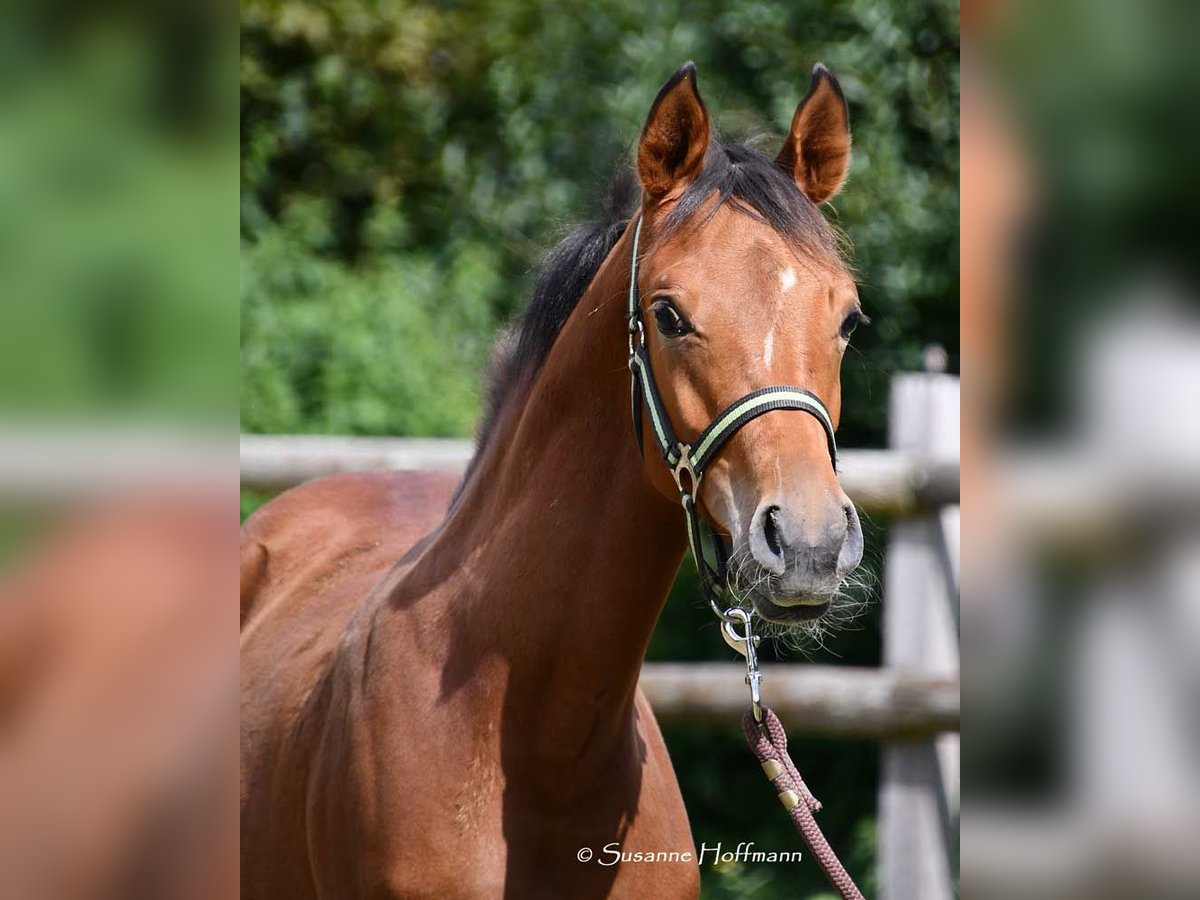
(456, 825)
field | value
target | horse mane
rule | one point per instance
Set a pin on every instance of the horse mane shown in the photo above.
(737, 174)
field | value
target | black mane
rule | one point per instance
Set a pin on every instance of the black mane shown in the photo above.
(737, 175)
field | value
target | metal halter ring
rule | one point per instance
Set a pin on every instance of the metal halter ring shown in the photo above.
(685, 465)
(635, 329)
(723, 614)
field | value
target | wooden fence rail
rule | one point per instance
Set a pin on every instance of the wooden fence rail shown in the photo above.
(881, 482)
(831, 700)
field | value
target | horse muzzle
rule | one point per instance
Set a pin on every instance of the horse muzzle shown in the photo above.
(793, 563)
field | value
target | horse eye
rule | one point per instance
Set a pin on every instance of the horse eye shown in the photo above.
(668, 321)
(851, 322)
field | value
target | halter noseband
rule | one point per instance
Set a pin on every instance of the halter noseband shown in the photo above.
(691, 460)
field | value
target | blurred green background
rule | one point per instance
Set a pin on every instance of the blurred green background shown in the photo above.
(404, 166)
(117, 160)
(118, 300)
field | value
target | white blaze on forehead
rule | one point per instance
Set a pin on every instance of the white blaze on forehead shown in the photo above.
(787, 281)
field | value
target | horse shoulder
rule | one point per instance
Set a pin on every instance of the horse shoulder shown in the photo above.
(309, 558)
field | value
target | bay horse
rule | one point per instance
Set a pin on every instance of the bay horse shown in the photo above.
(443, 702)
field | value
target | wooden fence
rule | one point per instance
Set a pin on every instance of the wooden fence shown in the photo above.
(881, 482)
(833, 700)
(918, 792)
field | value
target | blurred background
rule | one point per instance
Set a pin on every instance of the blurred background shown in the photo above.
(405, 165)
(1081, 446)
(118, 451)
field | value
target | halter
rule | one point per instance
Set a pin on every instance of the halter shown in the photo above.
(688, 462)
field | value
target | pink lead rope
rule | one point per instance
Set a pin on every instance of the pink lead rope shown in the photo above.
(768, 741)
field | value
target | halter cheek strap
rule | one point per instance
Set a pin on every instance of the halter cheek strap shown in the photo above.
(691, 460)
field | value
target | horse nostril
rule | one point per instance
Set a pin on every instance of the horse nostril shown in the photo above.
(771, 531)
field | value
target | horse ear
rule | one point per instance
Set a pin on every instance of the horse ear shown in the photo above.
(817, 150)
(675, 138)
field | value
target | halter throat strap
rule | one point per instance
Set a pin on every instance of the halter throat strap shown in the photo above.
(688, 462)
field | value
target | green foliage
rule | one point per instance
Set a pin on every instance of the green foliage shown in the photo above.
(118, 296)
(393, 348)
(431, 152)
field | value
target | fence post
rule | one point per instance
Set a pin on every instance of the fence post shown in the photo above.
(918, 793)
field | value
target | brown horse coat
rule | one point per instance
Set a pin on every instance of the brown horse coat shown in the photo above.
(459, 724)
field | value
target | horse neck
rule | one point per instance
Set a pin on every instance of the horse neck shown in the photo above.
(570, 550)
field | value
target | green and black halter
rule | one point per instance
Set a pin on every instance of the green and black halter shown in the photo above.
(692, 459)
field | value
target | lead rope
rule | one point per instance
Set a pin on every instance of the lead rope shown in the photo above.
(764, 732)
(768, 741)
